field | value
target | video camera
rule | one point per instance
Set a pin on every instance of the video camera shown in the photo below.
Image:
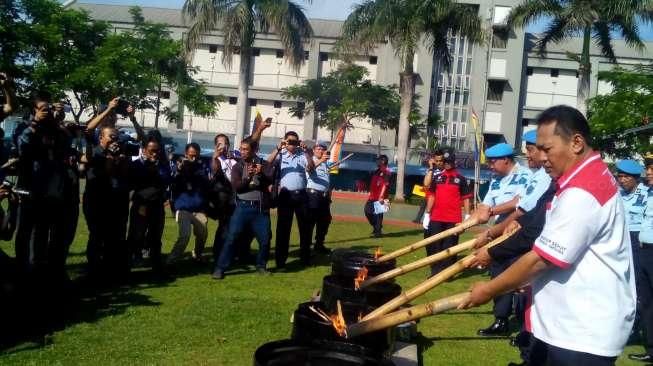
(126, 148)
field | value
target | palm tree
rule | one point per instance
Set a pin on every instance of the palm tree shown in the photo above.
(406, 24)
(596, 20)
(240, 21)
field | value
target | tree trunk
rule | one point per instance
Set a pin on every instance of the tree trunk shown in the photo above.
(243, 85)
(407, 92)
(158, 106)
(584, 73)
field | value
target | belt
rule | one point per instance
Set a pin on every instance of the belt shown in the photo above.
(646, 245)
(293, 191)
(248, 202)
(315, 191)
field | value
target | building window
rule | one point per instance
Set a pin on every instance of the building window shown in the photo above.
(555, 73)
(529, 71)
(454, 127)
(461, 46)
(233, 100)
(494, 90)
(459, 69)
(463, 116)
(447, 100)
(306, 54)
(373, 60)
(256, 52)
(165, 94)
(456, 98)
(438, 98)
(444, 130)
(213, 48)
(279, 53)
(463, 129)
(465, 98)
(499, 38)
(324, 56)
(454, 117)
(277, 104)
(253, 102)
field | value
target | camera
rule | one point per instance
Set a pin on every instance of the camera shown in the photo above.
(126, 148)
(293, 142)
(255, 182)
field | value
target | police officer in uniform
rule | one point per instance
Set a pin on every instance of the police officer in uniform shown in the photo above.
(644, 274)
(319, 196)
(501, 200)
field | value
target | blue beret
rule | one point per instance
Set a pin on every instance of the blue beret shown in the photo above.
(322, 144)
(499, 151)
(631, 167)
(530, 137)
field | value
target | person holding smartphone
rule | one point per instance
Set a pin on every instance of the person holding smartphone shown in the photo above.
(319, 196)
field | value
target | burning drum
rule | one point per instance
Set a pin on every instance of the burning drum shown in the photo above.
(342, 288)
(320, 353)
(348, 263)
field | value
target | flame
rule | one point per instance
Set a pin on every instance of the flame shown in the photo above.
(377, 253)
(362, 275)
(360, 315)
(338, 322)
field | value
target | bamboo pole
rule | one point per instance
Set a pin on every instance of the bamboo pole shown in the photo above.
(431, 239)
(406, 268)
(430, 283)
(406, 315)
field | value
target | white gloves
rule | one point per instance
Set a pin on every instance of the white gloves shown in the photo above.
(467, 216)
(426, 220)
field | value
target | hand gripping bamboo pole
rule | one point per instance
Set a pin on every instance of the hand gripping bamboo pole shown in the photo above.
(430, 283)
(406, 268)
(431, 239)
(406, 315)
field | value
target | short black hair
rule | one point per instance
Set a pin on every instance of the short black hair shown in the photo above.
(438, 152)
(193, 145)
(569, 121)
(215, 139)
(291, 133)
(253, 144)
(384, 158)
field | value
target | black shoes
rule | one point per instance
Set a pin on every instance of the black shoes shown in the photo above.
(218, 274)
(497, 329)
(641, 357)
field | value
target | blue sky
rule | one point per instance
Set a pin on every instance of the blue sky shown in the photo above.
(324, 9)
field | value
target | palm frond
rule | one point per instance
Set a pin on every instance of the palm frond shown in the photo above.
(204, 16)
(239, 32)
(630, 31)
(603, 39)
(555, 32)
(361, 30)
(530, 11)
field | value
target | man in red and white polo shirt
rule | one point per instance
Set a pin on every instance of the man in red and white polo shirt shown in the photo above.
(379, 189)
(581, 265)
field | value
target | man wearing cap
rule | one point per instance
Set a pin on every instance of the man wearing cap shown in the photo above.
(509, 183)
(644, 264)
(448, 192)
(580, 268)
(319, 196)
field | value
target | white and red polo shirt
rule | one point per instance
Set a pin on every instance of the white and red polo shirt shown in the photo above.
(586, 302)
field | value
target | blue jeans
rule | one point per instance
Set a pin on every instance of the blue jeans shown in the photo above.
(247, 216)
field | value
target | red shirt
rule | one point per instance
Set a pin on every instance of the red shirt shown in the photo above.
(380, 179)
(449, 190)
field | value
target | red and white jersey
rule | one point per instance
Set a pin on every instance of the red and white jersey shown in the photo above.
(586, 302)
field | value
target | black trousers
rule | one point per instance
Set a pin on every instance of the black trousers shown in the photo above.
(292, 203)
(543, 354)
(319, 215)
(436, 227)
(106, 218)
(146, 223)
(503, 304)
(376, 220)
(645, 294)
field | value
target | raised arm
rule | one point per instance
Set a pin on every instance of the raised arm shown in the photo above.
(256, 135)
(140, 132)
(275, 152)
(93, 123)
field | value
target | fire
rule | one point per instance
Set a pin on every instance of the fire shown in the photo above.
(378, 253)
(360, 315)
(362, 275)
(338, 321)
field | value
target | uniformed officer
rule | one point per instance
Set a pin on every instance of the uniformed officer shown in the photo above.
(644, 275)
(319, 196)
(509, 183)
(633, 193)
(293, 163)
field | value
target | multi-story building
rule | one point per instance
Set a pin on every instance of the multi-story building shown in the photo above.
(503, 81)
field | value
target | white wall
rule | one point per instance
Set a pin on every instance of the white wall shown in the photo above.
(543, 90)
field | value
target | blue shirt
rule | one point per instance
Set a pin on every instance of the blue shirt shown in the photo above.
(646, 228)
(539, 183)
(293, 170)
(634, 204)
(318, 179)
(504, 189)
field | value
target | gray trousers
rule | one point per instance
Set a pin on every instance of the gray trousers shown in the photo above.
(186, 220)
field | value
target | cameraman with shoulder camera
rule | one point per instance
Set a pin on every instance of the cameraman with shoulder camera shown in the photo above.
(106, 200)
(47, 170)
(251, 179)
(150, 177)
(189, 190)
(293, 161)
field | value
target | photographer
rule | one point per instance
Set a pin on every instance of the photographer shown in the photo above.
(251, 179)
(7, 86)
(106, 201)
(293, 160)
(150, 177)
(189, 202)
(46, 173)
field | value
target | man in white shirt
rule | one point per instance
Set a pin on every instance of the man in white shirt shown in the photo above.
(581, 265)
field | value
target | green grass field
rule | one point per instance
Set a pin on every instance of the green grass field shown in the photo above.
(195, 320)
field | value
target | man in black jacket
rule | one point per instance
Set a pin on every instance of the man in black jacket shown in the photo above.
(251, 179)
